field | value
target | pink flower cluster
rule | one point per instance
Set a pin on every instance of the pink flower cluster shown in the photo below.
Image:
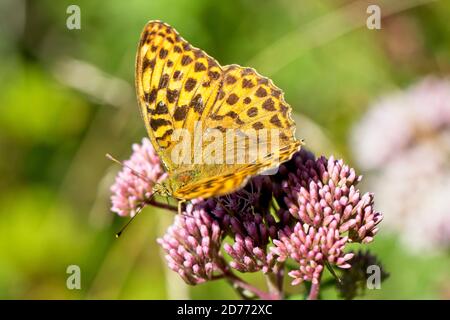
(192, 244)
(318, 212)
(329, 212)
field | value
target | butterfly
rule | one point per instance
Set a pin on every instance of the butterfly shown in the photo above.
(180, 87)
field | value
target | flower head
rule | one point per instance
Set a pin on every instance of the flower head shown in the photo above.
(307, 212)
(329, 212)
(192, 244)
(404, 142)
(311, 248)
(131, 189)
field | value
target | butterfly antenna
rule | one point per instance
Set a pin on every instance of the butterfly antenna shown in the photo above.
(138, 174)
(118, 234)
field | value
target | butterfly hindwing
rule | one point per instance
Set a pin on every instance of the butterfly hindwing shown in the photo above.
(232, 178)
(252, 103)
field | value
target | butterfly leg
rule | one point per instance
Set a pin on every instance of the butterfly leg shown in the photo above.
(180, 203)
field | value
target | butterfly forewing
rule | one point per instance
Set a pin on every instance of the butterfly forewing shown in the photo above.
(174, 83)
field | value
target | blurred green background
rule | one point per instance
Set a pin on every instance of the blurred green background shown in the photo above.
(67, 98)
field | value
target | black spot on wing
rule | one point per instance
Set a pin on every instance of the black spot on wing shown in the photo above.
(161, 108)
(180, 113)
(165, 135)
(156, 123)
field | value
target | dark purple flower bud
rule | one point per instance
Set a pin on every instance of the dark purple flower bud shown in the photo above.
(354, 280)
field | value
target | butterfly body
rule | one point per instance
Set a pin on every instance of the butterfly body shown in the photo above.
(182, 89)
